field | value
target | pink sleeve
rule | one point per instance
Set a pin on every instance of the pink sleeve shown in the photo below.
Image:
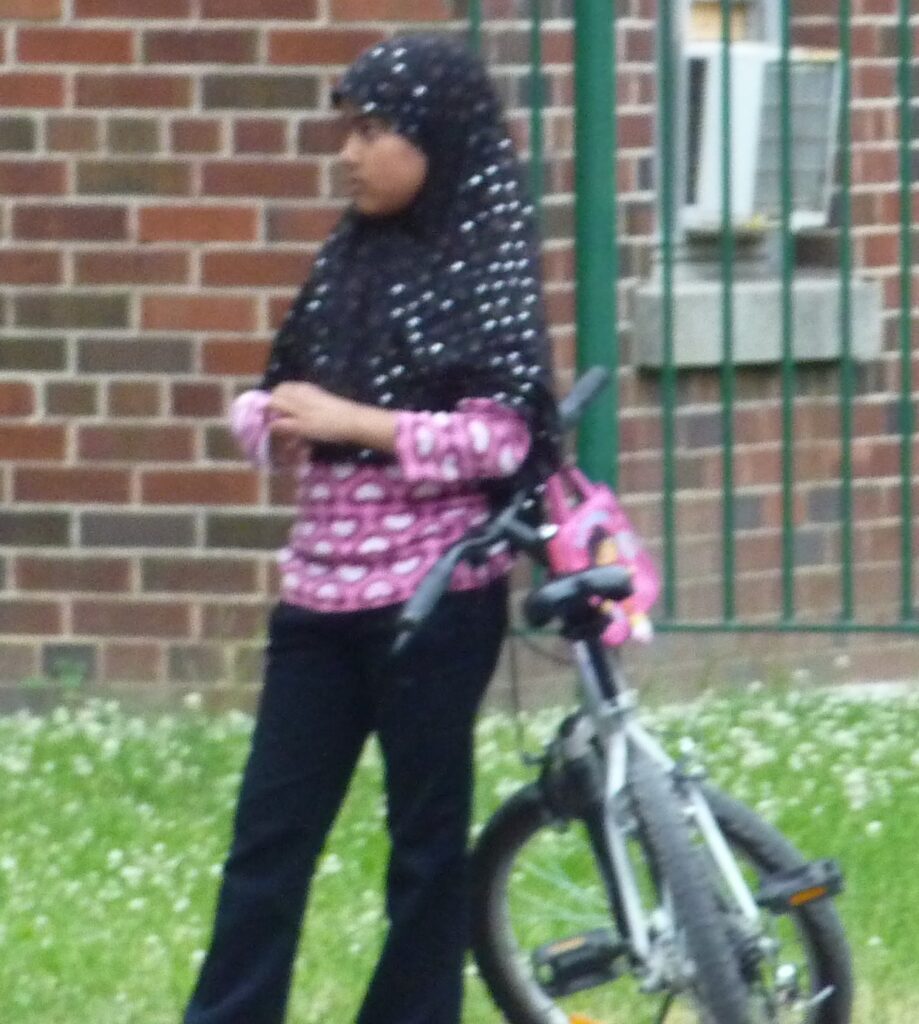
(481, 439)
(248, 422)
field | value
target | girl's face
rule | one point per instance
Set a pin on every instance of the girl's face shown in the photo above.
(384, 170)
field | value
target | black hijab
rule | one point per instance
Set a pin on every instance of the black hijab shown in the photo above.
(441, 301)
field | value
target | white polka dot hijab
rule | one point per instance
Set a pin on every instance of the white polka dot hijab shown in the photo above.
(442, 301)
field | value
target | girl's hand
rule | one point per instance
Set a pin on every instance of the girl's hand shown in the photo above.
(306, 412)
(286, 451)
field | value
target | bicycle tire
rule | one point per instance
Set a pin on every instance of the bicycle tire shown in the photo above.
(827, 947)
(718, 983)
(525, 814)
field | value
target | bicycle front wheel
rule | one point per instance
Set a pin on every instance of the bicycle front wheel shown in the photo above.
(538, 891)
(544, 928)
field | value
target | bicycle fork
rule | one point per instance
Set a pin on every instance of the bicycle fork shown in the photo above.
(611, 710)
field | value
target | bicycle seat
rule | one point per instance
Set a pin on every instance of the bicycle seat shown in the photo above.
(562, 596)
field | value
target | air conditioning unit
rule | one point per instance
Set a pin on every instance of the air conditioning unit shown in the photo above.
(756, 135)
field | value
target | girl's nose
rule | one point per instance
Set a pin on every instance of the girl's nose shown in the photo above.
(349, 151)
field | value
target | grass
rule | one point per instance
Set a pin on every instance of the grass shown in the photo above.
(113, 829)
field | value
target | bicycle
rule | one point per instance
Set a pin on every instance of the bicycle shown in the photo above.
(660, 876)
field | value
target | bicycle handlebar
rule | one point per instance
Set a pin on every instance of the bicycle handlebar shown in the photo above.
(504, 527)
(585, 390)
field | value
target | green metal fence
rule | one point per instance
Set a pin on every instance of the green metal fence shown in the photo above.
(595, 34)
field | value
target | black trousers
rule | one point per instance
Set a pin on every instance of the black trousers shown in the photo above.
(328, 683)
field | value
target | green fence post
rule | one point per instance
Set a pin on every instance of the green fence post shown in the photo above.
(907, 418)
(537, 146)
(847, 368)
(788, 370)
(666, 140)
(475, 24)
(727, 313)
(595, 243)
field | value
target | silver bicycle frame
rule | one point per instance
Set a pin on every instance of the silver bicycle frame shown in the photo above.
(615, 724)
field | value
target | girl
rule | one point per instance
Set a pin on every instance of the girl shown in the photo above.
(408, 382)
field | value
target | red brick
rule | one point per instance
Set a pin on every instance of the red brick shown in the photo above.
(635, 131)
(30, 266)
(134, 177)
(258, 136)
(35, 618)
(201, 224)
(199, 400)
(134, 398)
(232, 268)
(21, 89)
(301, 224)
(196, 135)
(390, 10)
(76, 223)
(147, 10)
(132, 663)
(232, 621)
(83, 486)
(325, 46)
(200, 46)
(881, 250)
(234, 358)
(32, 443)
(135, 444)
(871, 81)
(198, 313)
(557, 47)
(136, 91)
(30, 10)
(99, 617)
(72, 134)
(18, 662)
(133, 267)
(66, 398)
(74, 46)
(560, 306)
(198, 575)
(199, 487)
(71, 575)
(197, 664)
(17, 398)
(293, 179)
(239, 10)
(32, 178)
(278, 305)
(325, 135)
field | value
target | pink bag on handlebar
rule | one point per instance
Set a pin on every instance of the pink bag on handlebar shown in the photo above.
(593, 529)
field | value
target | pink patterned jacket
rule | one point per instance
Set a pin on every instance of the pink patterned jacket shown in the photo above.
(364, 536)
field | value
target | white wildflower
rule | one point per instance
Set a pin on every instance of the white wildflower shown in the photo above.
(193, 701)
(331, 865)
(132, 874)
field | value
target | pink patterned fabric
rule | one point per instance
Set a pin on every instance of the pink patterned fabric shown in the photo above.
(364, 536)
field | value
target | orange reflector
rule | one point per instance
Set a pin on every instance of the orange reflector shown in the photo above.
(565, 945)
(808, 895)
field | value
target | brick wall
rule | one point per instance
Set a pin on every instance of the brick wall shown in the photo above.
(167, 172)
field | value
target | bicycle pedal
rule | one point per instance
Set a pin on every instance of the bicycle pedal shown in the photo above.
(790, 890)
(579, 962)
